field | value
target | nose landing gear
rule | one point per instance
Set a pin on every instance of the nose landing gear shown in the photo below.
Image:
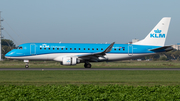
(26, 66)
(26, 61)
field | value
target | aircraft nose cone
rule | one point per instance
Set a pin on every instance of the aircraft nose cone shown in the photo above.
(9, 54)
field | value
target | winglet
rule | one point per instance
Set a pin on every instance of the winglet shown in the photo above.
(109, 48)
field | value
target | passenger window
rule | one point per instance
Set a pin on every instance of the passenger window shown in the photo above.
(49, 48)
(84, 48)
(44, 48)
(97, 49)
(70, 48)
(53, 48)
(74, 48)
(115, 49)
(119, 49)
(57, 48)
(66, 48)
(101, 48)
(61, 48)
(88, 49)
(40, 48)
(79, 48)
(92, 48)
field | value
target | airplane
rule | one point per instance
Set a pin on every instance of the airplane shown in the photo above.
(75, 53)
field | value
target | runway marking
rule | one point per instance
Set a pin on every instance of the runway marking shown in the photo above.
(43, 69)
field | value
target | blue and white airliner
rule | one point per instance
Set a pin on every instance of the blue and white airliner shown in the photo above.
(74, 53)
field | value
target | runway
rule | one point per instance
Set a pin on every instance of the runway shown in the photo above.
(42, 69)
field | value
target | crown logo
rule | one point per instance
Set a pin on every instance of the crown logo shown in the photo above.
(44, 46)
(157, 31)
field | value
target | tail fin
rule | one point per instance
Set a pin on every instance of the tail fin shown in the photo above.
(157, 36)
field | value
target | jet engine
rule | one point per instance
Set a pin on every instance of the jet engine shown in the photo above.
(70, 61)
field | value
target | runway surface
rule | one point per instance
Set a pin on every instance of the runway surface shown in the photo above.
(42, 69)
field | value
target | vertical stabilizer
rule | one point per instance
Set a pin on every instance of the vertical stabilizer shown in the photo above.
(158, 34)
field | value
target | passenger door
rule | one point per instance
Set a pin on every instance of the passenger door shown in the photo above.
(33, 49)
(130, 49)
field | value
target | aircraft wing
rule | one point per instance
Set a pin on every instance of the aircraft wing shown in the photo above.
(94, 56)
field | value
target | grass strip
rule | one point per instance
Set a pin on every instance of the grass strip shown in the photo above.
(121, 77)
(118, 64)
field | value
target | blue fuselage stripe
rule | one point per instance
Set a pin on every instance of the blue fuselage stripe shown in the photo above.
(30, 49)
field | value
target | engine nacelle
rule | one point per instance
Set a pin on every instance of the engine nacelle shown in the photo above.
(69, 61)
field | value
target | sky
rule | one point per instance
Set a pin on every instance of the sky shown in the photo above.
(86, 21)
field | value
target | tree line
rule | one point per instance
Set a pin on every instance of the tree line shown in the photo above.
(171, 55)
(6, 46)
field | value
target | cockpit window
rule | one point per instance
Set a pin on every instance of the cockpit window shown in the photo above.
(19, 47)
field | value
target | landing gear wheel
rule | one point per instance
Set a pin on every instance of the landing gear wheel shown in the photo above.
(87, 65)
(26, 66)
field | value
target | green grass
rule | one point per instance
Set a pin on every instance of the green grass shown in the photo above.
(89, 93)
(102, 85)
(121, 77)
(118, 64)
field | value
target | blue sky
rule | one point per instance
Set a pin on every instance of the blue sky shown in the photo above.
(87, 20)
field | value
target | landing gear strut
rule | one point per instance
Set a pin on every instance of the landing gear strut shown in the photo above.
(87, 65)
(26, 66)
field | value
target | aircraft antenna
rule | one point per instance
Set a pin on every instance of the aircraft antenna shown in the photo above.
(0, 37)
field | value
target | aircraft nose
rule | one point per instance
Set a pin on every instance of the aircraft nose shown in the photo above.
(9, 54)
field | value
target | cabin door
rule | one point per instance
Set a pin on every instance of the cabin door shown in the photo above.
(130, 49)
(32, 49)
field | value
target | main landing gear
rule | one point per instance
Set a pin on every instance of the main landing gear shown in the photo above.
(87, 65)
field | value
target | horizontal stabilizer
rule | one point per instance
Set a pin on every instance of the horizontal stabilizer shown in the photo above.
(165, 48)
